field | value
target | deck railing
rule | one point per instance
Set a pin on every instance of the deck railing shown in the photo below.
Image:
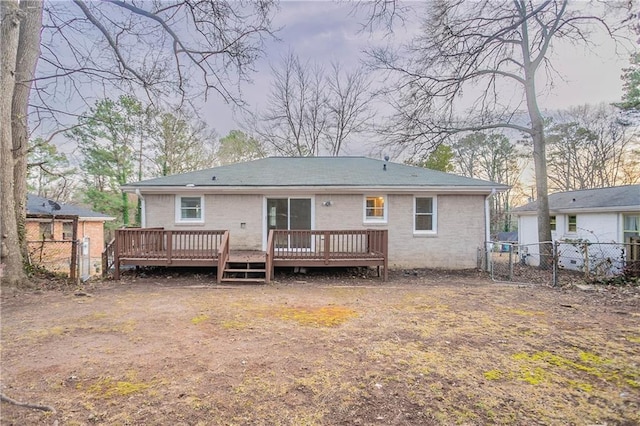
(157, 246)
(327, 247)
(160, 247)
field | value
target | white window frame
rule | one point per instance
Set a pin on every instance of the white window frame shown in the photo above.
(434, 215)
(385, 209)
(179, 218)
(569, 231)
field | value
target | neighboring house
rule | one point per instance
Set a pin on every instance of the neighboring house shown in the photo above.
(49, 229)
(434, 219)
(603, 215)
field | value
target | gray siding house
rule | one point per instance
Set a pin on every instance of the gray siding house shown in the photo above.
(433, 219)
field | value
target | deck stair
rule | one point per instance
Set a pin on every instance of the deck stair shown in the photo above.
(245, 267)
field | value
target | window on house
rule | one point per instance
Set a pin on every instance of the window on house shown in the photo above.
(375, 209)
(67, 230)
(189, 209)
(631, 225)
(552, 222)
(46, 230)
(424, 215)
(572, 223)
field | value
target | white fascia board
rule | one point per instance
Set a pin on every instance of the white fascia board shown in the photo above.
(96, 219)
(312, 189)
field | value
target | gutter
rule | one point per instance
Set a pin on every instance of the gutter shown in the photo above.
(487, 229)
(487, 216)
(143, 206)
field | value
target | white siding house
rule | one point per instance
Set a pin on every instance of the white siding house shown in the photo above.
(603, 215)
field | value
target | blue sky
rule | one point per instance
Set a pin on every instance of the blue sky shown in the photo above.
(325, 31)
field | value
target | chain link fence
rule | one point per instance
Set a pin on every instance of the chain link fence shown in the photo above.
(532, 263)
(54, 256)
(560, 262)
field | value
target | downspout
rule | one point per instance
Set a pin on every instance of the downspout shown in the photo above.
(487, 215)
(143, 208)
(487, 228)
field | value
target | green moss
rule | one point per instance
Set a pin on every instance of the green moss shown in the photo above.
(109, 388)
(534, 376)
(493, 374)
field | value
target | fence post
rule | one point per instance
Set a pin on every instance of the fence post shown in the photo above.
(554, 270)
(487, 252)
(586, 260)
(510, 262)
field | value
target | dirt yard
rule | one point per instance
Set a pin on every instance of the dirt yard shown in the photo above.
(425, 348)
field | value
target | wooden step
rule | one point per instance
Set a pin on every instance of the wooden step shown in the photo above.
(246, 270)
(243, 280)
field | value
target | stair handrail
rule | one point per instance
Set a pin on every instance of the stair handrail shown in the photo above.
(268, 264)
(223, 255)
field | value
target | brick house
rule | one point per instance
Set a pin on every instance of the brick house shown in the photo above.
(49, 233)
(434, 219)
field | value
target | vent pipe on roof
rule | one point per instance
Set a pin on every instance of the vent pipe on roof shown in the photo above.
(384, 166)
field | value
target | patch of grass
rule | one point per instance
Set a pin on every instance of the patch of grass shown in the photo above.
(325, 316)
(107, 387)
(59, 330)
(234, 325)
(633, 339)
(199, 319)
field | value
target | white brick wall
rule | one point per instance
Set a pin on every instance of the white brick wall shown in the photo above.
(460, 224)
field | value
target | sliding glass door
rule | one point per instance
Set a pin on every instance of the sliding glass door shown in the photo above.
(290, 214)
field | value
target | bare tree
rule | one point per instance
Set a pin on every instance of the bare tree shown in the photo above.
(590, 148)
(177, 48)
(312, 112)
(486, 51)
(294, 120)
(349, 106)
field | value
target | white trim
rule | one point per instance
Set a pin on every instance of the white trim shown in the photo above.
(434, 215)
(178, 209)
(316, 189)
(385, 209)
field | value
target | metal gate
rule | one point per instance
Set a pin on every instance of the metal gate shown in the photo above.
(84, 259)
(529, 263)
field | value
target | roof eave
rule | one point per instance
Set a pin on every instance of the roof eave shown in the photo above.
(608, 209)
(314, 188)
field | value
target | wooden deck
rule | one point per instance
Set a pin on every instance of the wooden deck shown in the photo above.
(298, 248)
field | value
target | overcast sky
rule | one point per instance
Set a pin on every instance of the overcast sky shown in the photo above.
(324, 31)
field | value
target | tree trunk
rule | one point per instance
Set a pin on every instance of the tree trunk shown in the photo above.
(539, 149)
(26, 60)
(11, 267)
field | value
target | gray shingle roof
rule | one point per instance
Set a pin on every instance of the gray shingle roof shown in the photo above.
(627, 196)
(316, 171)
(40, 205)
